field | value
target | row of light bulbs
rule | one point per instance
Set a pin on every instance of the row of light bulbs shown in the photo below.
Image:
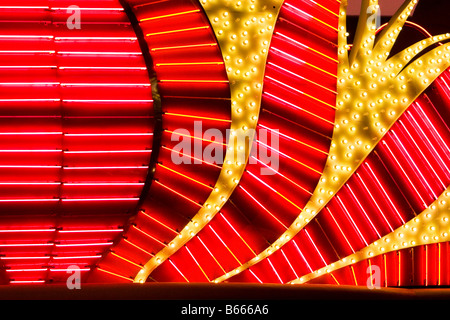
(430, 226)
(363, 115)
(244, 36)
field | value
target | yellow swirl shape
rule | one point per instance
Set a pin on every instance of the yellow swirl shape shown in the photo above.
(373, 92)
(244, 30)
(431, 226)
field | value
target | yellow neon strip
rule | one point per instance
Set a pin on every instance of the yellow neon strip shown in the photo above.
(196, 117)
(354, 275)
(284, 197)
(306, 166)
(325, 8)
(176, 31)
(309, 48)
(185, 176)
(265, 209)
(334, 278)
(197, 138)
(212, 255)
(164, 225)
(150, 236)
(323, 54)
(302, 77)
(169, 15)
(238, 234)
(120, 257)
(335, 29)
(114, 274)
(301, 92)
(185, 46)
(297, 107)
(316, 67)
(225, 245)
(189, 64)
(136, 246)
(198, 264)
(185, 155)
